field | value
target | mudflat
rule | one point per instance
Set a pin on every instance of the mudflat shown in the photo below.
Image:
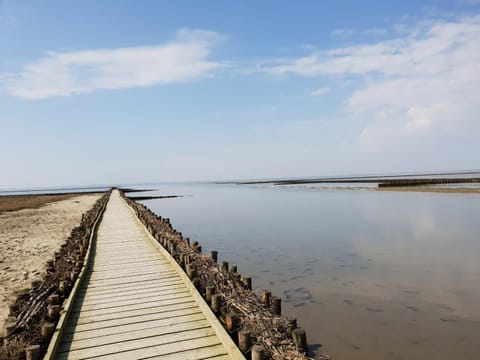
(32, 228)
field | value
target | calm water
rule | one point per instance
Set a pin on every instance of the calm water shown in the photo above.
(369, 275)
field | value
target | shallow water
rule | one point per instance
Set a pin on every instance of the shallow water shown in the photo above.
(369, 275)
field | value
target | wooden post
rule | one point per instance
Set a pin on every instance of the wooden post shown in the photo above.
(182, 261)
(33, 352)
(53, 312)
(244, 341)
(12, 309)
(231, 321)
(258, 352)
(225, 265)
(186, 260)
(9, 327)
(216, 303)
(300, 340)
(191, 271)
(247, 281)
(62, 286)
(47, 330)
(197, 283)
(276, 305)
(234, 269)
(291, 324)
(265, 299)
(214, 255)
(54, 299)
(209, 291)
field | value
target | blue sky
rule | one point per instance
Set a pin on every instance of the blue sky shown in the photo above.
(96, 92)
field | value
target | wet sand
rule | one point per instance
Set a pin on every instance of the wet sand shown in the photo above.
(30, 236)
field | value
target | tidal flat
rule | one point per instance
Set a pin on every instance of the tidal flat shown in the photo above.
(368, 274)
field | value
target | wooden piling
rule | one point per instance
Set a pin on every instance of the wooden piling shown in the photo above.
(300, 340)
(216, 303)
(258, 352)
(9, 327)
(265, 299)
(244, 341)
(225, 265)
(214, 255)
(33, 352)
(53, 312)
(276, 305)
(12, 309)
(62, 286)
(47, 330)
(191, 271)
(231, 321)
(247, 281)
(54, 299)
(209, 291)
(291, 324)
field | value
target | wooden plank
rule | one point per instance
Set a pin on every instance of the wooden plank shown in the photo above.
(139, 291)
(81, 335)
(116, 282)
(133, 335)
(107, 276)
(216, 352)
(190, 339)
(168, 314)
(119, 311)
(160, 283)
(132, 299)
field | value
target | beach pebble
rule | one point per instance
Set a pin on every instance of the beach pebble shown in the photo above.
(25, 275)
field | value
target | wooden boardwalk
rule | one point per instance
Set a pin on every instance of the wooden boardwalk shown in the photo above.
(136, 303)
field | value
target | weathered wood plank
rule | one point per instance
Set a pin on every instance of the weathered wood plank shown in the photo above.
(143, 333)
(190, 339)
(93, 333)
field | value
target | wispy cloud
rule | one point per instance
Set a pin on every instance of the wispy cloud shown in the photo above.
(321, 91)
(186, 58)
(424, 83)
(367, 32)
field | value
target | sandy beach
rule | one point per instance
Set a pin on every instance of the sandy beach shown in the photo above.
(30, 236)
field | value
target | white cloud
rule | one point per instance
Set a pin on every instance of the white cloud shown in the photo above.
(321, 91)
(68, 73)
(351, 32)
(424, 84)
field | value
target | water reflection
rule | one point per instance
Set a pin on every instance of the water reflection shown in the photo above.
(369, 274)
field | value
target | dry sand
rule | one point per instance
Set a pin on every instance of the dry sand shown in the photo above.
(29, 237)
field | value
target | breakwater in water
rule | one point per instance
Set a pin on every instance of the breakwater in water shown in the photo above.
(254, 322)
